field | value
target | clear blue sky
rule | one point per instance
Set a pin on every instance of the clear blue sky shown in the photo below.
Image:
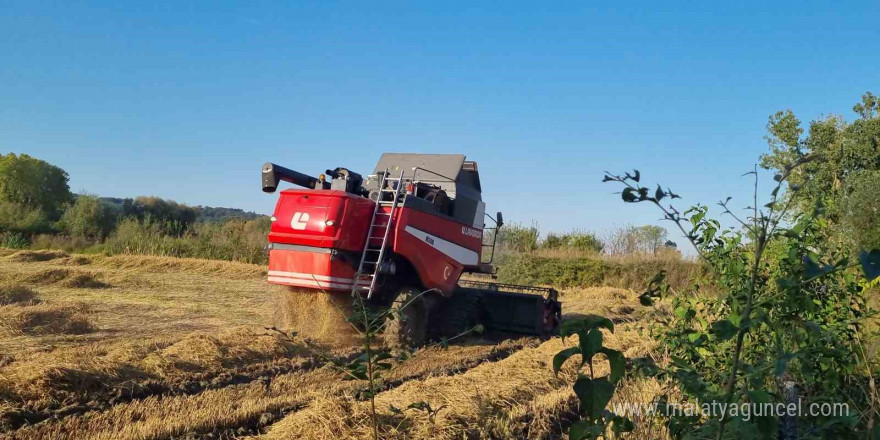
(185, 100)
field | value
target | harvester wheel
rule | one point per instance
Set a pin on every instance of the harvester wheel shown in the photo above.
(407, 327)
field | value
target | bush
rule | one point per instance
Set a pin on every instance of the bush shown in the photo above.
(15, 217)
(133, 236)
(88, 218)
(576, 240)
(14, 240)
(233, 240)
(62, 242)
(530, 269)
(159, 209)
(585, 241)
(629, 240)
(630, 273)
(862, 209)
(518, 238)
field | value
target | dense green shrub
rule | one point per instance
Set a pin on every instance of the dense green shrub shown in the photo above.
(233, 240)
(648, 239)
(576, 240)
(861, 216)
(14, 240)
(15, 217)
(517, 238)
(530, 269)
(88, 218)
(632, 273)
(159, 210)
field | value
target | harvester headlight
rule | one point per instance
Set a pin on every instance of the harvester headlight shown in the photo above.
(329, 223)
(273, 218)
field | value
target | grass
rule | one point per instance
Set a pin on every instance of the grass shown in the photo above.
(178, 346)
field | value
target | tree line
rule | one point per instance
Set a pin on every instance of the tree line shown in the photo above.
(37, 209)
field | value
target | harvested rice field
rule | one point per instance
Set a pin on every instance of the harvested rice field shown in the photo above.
(137, 347)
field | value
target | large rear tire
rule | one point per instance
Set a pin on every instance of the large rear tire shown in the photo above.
(407, 327)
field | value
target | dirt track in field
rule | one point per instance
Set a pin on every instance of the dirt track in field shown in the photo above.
(169, 348)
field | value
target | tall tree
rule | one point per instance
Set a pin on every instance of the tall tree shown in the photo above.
(34, 184)
(843, 158)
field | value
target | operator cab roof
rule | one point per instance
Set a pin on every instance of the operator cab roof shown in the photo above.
(439, 169)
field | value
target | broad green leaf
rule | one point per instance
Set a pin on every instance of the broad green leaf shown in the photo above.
(812, 268)
(680, 311)
(723, 329)
(659, 194)
(593, 394)
(563, 356)
(586, 323)
(697, 338)
(735, 319)
(646, 366)
(766, 424)
(584, 429)
(617, 361)
(381, 356)
(591, 344)
(767, 427)
(622, 424)
(870, 263)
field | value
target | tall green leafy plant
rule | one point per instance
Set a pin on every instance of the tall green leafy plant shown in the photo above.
(593, 392)
(788, 311)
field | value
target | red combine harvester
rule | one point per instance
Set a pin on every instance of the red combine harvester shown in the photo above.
(415, 224)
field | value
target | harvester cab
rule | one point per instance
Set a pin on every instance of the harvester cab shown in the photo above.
(414, 225)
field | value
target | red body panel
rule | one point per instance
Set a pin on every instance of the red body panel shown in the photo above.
(302, 215)
(438, 248)
(310, 269)
(438, 264)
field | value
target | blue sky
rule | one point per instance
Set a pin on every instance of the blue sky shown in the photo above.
(185, 100)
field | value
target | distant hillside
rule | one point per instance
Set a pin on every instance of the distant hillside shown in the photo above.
(203, 213)
(209, 214)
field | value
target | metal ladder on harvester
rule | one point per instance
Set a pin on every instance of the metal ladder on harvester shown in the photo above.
(369, 268)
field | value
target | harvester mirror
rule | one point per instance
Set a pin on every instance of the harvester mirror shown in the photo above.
(499, 219)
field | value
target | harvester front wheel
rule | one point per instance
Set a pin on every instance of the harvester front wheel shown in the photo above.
(408, 324)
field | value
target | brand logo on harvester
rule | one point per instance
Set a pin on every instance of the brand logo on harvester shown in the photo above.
(471, 232)
(299, 220)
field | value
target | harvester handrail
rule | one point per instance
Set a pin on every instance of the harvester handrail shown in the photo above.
(416, 169)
